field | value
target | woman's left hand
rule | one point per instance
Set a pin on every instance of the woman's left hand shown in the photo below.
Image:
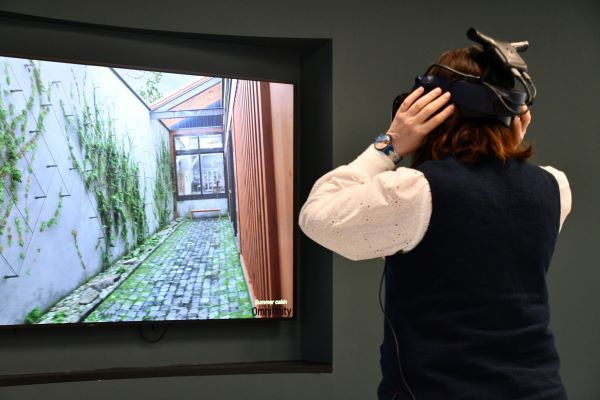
(521, 122)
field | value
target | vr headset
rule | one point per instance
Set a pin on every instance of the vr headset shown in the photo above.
(492, 95)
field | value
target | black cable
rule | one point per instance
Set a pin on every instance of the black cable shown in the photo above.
(526, 84)
(502, 100)
(389, 322)
(156, 339)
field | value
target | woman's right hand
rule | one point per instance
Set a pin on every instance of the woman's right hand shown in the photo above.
(412, 121)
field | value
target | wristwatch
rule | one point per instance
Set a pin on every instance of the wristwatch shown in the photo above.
(383, 143)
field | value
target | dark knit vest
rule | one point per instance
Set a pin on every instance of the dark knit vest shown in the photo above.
(469, 303)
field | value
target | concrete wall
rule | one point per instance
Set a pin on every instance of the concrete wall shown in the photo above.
(48, 264)
(184, 207)
(378, 48)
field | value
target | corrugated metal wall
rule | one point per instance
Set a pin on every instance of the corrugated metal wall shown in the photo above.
(264, 195)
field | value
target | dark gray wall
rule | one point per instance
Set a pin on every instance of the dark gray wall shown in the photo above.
(378, 47)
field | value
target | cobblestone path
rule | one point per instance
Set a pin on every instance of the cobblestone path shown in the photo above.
(194, 274)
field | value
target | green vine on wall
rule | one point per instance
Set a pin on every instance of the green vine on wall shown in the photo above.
(109, 171)
(19, 231)
(54, 219)
(15, 145)
(76, 243)
(163, 194)
(106, 166)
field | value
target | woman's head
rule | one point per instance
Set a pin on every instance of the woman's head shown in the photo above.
(469, 139)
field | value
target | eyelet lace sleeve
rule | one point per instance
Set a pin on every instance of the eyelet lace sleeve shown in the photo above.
(368, 208)
(565, 192)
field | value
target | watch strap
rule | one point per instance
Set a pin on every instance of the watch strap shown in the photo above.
(387, 150)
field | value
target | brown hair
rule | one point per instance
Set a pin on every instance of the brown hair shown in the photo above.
(468, 139)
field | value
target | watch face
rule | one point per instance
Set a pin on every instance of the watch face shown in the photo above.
(382, 141)
(380, 145)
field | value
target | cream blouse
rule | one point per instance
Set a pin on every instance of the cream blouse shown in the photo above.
(349, 209)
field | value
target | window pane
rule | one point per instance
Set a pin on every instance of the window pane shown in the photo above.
(188, 175)
(212, 173)
(211, 141)
(186, 143)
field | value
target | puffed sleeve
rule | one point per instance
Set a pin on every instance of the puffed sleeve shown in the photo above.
(565, 192)
(368, 208)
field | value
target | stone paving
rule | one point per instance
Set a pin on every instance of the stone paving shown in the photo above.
(195, 274)
(79, 303)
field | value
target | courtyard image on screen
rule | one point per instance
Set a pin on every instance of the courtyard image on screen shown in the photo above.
(132, 195)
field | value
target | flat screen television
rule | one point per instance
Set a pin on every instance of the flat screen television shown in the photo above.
(133, 195)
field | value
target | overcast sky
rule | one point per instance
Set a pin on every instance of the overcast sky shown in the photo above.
(169, 82)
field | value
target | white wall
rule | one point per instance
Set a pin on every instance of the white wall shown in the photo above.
(51, 267)
(184, 207)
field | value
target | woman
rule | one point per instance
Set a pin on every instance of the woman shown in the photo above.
(467, 232)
